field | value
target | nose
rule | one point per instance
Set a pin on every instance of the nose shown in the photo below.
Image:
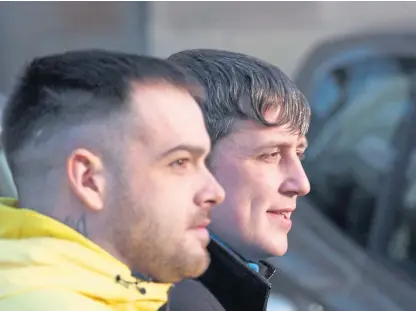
(296, 182)
(211, 192)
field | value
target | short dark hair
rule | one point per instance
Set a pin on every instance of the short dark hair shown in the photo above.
(71, 87)
(239, 86)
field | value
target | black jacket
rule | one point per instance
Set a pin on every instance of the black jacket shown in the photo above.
(227, 285)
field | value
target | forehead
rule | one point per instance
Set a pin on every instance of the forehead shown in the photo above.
(252, 135)
(165, 115)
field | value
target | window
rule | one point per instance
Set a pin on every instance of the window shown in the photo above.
(359, 112)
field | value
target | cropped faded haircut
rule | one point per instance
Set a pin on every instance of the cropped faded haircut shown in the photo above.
(238, 86)
(73, 88)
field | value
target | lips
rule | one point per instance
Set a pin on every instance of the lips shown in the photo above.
(202, 224)
(201, 231)
(281, 217)
(285, 213)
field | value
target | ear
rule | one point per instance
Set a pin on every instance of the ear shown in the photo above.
(86, 176)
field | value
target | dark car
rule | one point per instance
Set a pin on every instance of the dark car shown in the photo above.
(353, 245)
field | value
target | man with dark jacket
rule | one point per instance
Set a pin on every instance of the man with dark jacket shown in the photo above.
(257, 120)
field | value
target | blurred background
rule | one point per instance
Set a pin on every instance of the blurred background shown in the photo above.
(353, 244)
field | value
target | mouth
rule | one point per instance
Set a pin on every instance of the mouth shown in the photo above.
(282, 218)
(285, 215)
(202, 225)
(201, 231)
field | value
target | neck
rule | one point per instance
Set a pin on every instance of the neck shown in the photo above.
(88, 224)
(250, 264)
(227, 246)
(137, 270)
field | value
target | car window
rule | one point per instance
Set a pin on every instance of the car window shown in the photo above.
(401, 241)
(358, 110)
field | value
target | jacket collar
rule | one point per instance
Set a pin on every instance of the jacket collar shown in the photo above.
(252, 265)
(41, 252)
(236, 286)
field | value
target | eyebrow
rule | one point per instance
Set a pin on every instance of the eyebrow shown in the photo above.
(193, 149)
(276, 143)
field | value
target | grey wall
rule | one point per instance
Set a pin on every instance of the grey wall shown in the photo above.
(280, 32)
(33, 28)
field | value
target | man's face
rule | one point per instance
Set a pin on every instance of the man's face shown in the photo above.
(260, 169)
(165, 199)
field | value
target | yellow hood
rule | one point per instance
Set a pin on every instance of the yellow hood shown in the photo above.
(39, 253)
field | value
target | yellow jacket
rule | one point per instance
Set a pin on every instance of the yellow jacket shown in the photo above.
(45, 265)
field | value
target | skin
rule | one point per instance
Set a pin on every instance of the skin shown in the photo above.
(142, 196)
(260, 169)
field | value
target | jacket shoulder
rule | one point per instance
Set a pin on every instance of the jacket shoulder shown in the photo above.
(192, 295)
(43, 300)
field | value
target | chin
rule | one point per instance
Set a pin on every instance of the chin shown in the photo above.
(197, 264)
(277, 247)
(281, 252)
(189, 270)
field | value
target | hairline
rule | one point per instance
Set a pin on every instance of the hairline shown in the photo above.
(231, 126)
(226, 106)
(101, 113)
(95, 119)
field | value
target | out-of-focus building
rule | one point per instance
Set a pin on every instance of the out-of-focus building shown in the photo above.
(280, 32)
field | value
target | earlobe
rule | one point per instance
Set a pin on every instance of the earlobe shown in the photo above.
(85, 174)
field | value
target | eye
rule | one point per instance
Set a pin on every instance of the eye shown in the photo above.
(270, 157)
(180, 162)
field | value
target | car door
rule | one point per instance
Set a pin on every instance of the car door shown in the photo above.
(353, 238)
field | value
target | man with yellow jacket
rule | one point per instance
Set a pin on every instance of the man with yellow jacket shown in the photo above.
(107, 151)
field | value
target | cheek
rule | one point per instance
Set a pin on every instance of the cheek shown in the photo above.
(245, 189)
(174, 199)
(251, 190)
(158, 201)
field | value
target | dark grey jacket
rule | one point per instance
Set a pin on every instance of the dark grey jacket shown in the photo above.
(227, 285)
